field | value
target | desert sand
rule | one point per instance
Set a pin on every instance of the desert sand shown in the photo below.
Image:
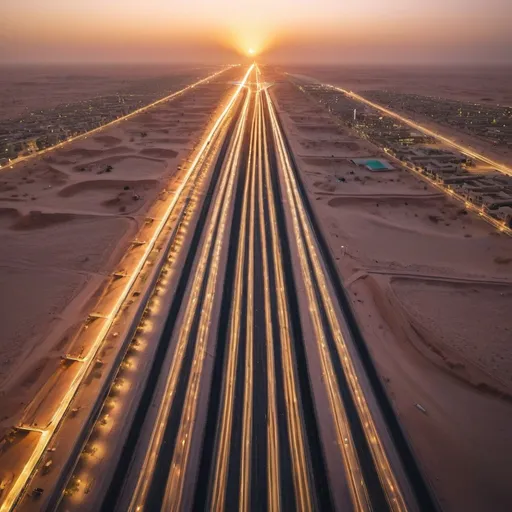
(462, 83)
(66, 221)
(431, 286)
(38, 87)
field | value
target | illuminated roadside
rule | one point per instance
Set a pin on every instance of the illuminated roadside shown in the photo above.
(156, 437)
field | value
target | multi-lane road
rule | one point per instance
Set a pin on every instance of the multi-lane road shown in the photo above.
(259, 396)
(260, 406)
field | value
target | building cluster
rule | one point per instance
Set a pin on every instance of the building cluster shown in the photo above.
(492, 123)
(44, 128)
(491, 191)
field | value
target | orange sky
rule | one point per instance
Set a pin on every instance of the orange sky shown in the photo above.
(321, 31)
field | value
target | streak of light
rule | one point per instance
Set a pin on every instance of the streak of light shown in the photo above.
(274, 502)
(226, 425)
(176, 478)
(245, 457)
(297, 435)
(150, 460)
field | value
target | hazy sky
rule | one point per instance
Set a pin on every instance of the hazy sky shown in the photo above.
(320, 31)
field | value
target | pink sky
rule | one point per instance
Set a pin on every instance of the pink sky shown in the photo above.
(321, 31)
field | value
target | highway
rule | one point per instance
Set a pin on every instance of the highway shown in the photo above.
(258, 395)
(259, 400)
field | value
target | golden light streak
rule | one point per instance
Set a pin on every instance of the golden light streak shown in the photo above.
(296, 436)
(246, 459)
(176, 478)
(144, 479)
(226, 427)
(272, 433)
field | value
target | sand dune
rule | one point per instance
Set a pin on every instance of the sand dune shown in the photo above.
(54, 176)
(7, 216)
(447, 329)
(163, 140)
(318, 129)
(176, 140)
(159, 153)
(331, 145)
(324, 161)
(108, 140)
(74, 225)
(84, 153)
(39, 220)
(123, 197)
(423, 200)
(78, 188)
(124, 166)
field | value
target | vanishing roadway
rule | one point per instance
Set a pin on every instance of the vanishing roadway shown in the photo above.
(259, 404)
(259, 397)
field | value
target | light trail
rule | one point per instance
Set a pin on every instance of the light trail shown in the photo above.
(247, 414)
(24, 476)
(274, 502)
(45, 151)
(176, 478)
(345, 441)
(226, 426)
(296, 436)
(144, 479)
(381, 461)
(460, 147)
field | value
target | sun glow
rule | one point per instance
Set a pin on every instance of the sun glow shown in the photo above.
(251, 51)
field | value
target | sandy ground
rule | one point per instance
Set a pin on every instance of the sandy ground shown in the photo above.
(463, 83)
(432, 288)
(67, 219)
(26, 88)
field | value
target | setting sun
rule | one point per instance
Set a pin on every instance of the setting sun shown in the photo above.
(251, 51)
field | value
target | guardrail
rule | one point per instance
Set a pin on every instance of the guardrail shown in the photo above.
(87, 427)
